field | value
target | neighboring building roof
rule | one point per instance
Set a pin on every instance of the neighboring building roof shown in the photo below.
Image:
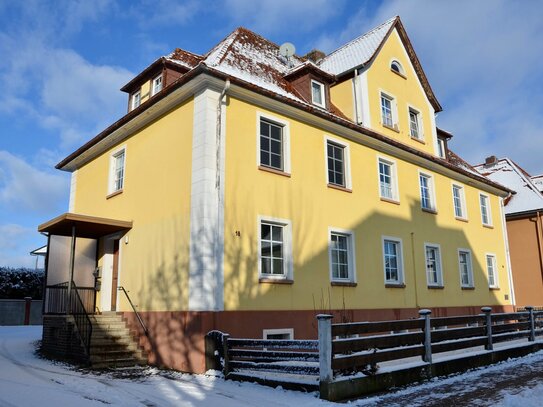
(40, 251)
(538, 182)
(362, 50)
(506, 172)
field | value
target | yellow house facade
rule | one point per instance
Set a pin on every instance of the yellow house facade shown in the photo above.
(258, 189)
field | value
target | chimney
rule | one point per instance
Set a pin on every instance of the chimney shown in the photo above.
(491, 160)
(315, 55)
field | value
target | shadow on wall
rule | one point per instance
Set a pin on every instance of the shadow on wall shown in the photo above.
(176, 336)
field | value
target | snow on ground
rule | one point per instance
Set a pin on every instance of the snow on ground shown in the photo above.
(27, 380)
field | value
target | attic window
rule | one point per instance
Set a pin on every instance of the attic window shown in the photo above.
(397, 67)
(157, 84)
(317, 93)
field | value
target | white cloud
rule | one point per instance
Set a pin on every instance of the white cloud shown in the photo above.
(16, 242)
(153, 13)
(26, 188)
(482, 59)
(275, 16)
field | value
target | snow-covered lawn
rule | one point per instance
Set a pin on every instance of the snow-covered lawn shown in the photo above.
(27, 380)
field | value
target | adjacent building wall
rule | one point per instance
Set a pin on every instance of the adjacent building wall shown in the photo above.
(526, 261)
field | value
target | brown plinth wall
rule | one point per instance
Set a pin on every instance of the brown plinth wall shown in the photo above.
(176, 339)
(526, 251)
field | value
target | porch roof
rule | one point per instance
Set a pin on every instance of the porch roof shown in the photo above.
(91, 227)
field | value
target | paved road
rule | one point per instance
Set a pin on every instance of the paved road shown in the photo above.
(491, 386)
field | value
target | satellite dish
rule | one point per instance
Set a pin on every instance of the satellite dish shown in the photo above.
(287, 50)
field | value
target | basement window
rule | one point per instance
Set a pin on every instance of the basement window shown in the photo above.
(278, 334)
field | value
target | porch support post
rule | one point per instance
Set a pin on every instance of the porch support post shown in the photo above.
(72, 263)
(46, 269)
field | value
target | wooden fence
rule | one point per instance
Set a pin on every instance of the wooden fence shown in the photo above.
(348, 348)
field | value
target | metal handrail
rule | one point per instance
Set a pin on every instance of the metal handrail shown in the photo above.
(81, 318)
(121, 288)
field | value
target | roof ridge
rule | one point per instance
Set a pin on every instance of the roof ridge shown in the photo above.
(360, 37)
(182, 50)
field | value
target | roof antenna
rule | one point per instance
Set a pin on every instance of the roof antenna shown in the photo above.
(287, 50)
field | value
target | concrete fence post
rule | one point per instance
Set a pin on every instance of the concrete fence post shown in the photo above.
(226, 368)
(488, 325)
(425, 314)
(28, 305)
(531, 337)
(325, 348)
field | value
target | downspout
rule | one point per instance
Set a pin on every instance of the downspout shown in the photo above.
(414, 268)
(218, 141)
(357, 97)
(507, 254)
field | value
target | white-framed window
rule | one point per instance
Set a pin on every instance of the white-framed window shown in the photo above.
(415, 124)
(388, 184)
(465, 267)
(278, 334)
(389, 114)
(486, 216)
(275, 248)
(427, 192)
(492, 270)
(117, 170)
(136, 99)
(338, 166)
(441, 148)
(318, 95)
(273, 143)
(392, 260)
(157, 84)
(434, 272)
(341, 255)
(459, 201)
(397, 67)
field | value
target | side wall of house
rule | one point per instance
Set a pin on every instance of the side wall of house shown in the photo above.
(526, 261)
(313, 209)
(154, 254)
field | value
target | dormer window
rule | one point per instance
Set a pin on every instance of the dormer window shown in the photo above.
(441, 152)
(136, 99)
(397, 67)
(157, 84)
(317, 94)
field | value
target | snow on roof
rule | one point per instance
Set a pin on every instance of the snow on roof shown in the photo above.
(184, 58)
(538, 182)
(254, 59)
(461, 163)
(358, 51)
(506, 172)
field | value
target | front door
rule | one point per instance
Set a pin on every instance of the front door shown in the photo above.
(115, 275)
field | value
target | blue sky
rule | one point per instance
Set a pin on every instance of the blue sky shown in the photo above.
(62, 64)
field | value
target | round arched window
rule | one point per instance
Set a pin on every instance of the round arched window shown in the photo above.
(396, 67)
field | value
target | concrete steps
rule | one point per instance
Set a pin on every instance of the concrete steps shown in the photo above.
(112, 343)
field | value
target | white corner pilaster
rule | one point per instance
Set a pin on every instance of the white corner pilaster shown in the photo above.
(73, 185)
(206, 270)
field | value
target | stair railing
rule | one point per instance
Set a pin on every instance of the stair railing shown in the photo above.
(138, 316)
(81, 317)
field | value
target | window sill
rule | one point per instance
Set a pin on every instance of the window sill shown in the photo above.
(418, 140)
(394, 285)
(432, 211)
(339, 188)
(394, 128)
(436, 287)
(488, 226)
(461, 219)
(467, 288)
(401, 75)
(267, 280)
(392, 201)
(494, 288)
(343, 283)
(119, 192)
(274, 171)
